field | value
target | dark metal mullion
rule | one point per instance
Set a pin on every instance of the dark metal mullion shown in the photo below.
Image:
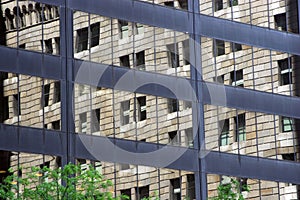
(216, 80)
(290, 67)
(286, 17)
(237, 133)
(135, 101)
(274, 118)
(43, 67)
(198, 112)
(250, 10)
(268, 8)
(90, 59)
(69, 55)
(113, 102)
(298, 8)
(156, 107)
(255, 115)
(19, 97)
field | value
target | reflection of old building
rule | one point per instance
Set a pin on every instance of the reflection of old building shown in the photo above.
(36, 95)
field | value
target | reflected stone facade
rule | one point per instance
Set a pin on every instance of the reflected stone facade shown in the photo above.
(119, 113)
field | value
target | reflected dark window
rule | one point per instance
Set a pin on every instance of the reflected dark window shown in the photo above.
(224, 135)
(174, 138)
(56, 96)
(22, 46)
(237, 78)
(56, 125)
(57, 45)
(4, 108)
(235, 47)
(189, 139)
(124, 166)
(124, 61)
(95, 120)
(280, 22)
(142, 192)
(285, 72)
(243, 184)
(16, 104)
(175, 190)
(47, 45)
(139, 28)
(125, 111)
(95, 34)
(83, 123)
(219, 47)
(218, 4)
(186, 52)
(127, 193)
(173, 105)
(82, 39)
(233, 3)
(187, 104)
(142, 112)
(191, 194)
(219, 79)
(9, 19)
(173, 55)
(288, 156)
(240, 128)
(46, 94)
(183, 4)
(286, 124)
(123, 29)
(140, 60)
(169, 3)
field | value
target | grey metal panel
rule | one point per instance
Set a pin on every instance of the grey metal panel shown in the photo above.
(247, 34)
(30, 140)
(9, 61)
(52, 67)
(137, 11)
(205, 25)
(252, 167)
(52, 2)
(250, 100)
(96, 148)
(22, 62)
(9, 137)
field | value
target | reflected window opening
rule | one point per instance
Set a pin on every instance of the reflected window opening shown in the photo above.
(286, 124)
(280, 22)
(83, 123)
(237, 78)
(233, 3)
(173, 55)
(95, 120)
(142, 112)
(124, 61)
(219, 47)
(123, 29)
(175, 190)
(240, 128)
(218, 5)
(285, 72)
(224, 135)
(124, 112)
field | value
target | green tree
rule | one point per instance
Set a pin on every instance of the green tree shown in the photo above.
(46, 184)
(231, 191)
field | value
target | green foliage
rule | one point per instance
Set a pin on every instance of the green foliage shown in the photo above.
(46, 184)
(231, 190)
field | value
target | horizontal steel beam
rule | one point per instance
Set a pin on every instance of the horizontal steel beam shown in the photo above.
(32, 140)
(252, 167)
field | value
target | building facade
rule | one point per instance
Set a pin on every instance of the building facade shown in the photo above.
(165, 98)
